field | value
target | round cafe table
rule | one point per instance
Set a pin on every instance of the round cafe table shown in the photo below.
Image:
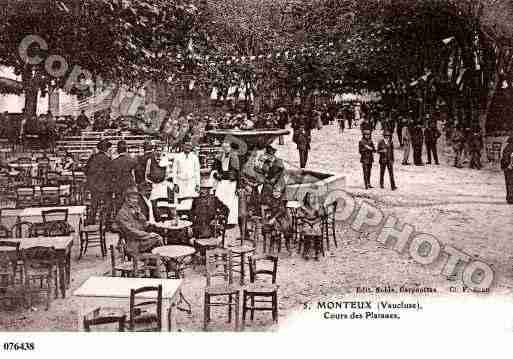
(173, 229)
(176, 258)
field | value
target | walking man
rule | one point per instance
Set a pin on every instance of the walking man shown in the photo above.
(366, 148)
(386, 159)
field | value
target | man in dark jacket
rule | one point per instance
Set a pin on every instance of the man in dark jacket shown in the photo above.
(135, 222)
(302, 137)
(99, 178)
(431, 135)
(417, 139)
(122, 174)
(386, 159)
(142, 160)
(366, 148)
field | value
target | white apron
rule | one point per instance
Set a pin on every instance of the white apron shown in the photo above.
(225, 191)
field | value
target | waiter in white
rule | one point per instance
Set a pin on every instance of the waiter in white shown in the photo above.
(186, 174)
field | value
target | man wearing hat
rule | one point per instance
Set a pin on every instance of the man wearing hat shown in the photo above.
(366, 148)
(135, 219)
(386, 159)
(431, 136)
(123, 168)
(186, 173)
(98, 172)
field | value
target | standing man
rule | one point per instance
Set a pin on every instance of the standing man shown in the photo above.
(366, 148)
(417, 141)
(186, 173)
(507, 167)
(302, 137)
(123, 178)
(476, 146)
(386, 159)
(99, 178)
(406, 136)
(432, 134)
(458, 141)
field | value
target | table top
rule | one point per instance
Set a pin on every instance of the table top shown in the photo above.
(117, 287)
(174, 251)
(36, 211)
(181, 224)
(59, 243)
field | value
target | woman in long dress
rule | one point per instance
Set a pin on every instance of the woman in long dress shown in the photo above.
(226, 172)
(507, 167)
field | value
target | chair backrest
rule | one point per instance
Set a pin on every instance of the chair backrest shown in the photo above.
(5, 232)
(147, 265)
(39, 254)
(55, 215)
(25, 196)
(163, 209)
(256, 271)
(136, 306)
(22, 229)
(219, 263)
(56, 229)
(97, 321)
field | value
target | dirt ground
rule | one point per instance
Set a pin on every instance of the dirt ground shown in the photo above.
(462, 207)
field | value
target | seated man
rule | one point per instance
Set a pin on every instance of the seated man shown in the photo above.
(134, 221)
(205, 210)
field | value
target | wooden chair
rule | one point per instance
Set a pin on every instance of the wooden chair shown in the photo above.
(329, 224)
(219, 264)
(92, 235)
(256, 292)
(104, 316)
(9, 290)
(25, 197)
(217, 240)
(40, 270)
(142, 317)
(306, 242)
(163, 209)
(56, 220)
(50, 196)
(65, 194)
(119, 264)
(147, 265)
(22, 229)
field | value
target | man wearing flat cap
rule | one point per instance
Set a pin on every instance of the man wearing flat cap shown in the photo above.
(123, 168)
(135, 219)
(386, 159)
(99, 178)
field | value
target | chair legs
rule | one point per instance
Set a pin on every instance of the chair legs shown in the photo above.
(233, 305)
(251, 297)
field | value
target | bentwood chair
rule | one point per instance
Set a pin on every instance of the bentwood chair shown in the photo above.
(219, 264)
(146, 314)
(259, 292)
(22, 229)
(56, 221)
